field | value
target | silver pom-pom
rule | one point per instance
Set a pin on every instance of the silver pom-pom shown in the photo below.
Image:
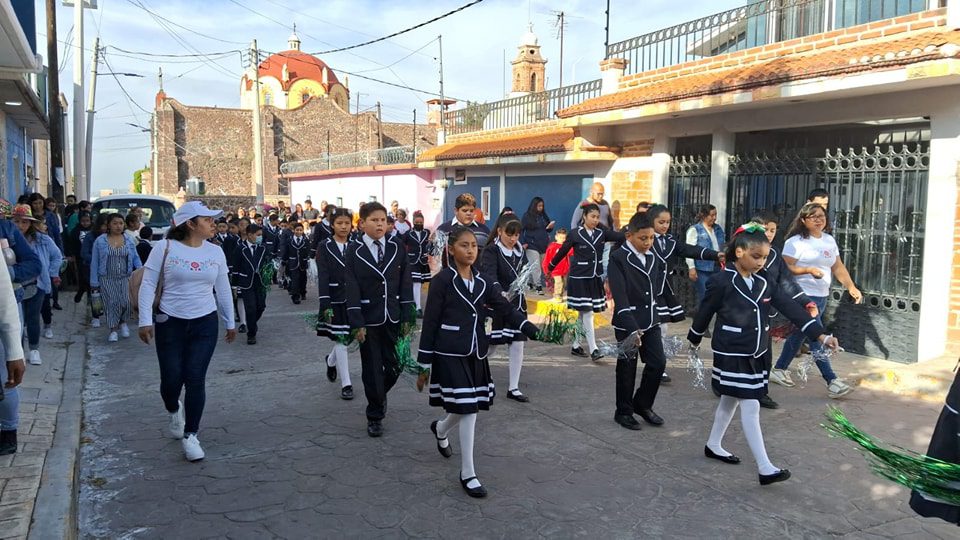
(672, 346)
(439, 244)
(523, 277)
(696, 368)
(628, 348)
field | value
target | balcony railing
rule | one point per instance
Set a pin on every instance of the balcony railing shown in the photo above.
(757, 23)
(397, 155)
(520, 110)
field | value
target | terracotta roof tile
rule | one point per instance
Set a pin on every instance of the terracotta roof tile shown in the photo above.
(832, 61)
(557, 140)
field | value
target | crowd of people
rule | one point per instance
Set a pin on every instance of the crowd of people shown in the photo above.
(370, 269)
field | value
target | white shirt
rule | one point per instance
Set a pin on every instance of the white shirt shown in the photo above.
(195, 283)
(641, 256)
(692, 239)
(820, 253)
(373, 248)
(10, 329)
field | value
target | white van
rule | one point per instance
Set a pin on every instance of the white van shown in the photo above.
(157, 211)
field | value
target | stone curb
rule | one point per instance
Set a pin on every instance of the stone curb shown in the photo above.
(55, 509)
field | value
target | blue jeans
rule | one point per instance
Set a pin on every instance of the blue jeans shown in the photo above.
(31, 318)
(701, 284)
(184, 349)
(10, 406)
(796, 339)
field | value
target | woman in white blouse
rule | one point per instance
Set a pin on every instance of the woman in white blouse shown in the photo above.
(194, 288)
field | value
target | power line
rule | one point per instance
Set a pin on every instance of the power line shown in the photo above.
(180, 55)
(404, 31)
(139, 4)
(402, 59)
(186, 45)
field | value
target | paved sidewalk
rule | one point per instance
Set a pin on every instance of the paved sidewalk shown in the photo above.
(22, 474)
(287, 458)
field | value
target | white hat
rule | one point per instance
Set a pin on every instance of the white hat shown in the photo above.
(193, 209)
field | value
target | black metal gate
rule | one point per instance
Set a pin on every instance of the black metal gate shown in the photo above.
(877, 202)
(689, 187)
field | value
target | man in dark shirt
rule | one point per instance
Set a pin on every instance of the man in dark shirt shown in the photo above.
(310, 214)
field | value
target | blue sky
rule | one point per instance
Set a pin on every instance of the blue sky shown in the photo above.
(474, 43)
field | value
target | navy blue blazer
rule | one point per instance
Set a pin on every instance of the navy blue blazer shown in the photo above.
(454, 317)
(331, 274)
(743, 314)
(670, 248)
(496, 268)
(294, 253)
(587, 260)
(377, 294)
(247, 263)
(418, 245)
(633, 286)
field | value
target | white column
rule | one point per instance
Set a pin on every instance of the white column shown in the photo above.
(938, 235)
(723, 148)
(663, 148)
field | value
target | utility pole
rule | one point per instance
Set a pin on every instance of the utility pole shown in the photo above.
(414, 134)
(58, 179)
(560, 23)
(606, 31)
(155, 126)
(257, 136)
(443, 101)
(79, 146)
(379, 127)
(88, 150)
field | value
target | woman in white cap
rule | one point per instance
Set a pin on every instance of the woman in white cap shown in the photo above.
(193, 281)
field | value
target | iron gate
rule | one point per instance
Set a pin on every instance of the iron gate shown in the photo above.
(877, 202)
(689, 187)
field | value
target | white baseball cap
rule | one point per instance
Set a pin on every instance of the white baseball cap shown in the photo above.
(193, 209)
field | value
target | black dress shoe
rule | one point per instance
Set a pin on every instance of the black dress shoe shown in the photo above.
(346, 393)
(595, 355)
(296, 299)
(767, 403)
(57, 307)
(478, 492)
(651, 417)
(731, 459)
(665, 379)
(242, 329)
(779, 476)
(516, 395)
(251, 340)
(578, 351)
(445, 452)
(627, 421)
(419, 313)
(77, 297)
(374, 428)
(331, 371)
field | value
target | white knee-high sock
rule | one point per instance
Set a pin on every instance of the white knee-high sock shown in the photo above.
(343, 364)
(516, 362)
(665, 330)
(468, 426)
(586, 317)
(242, 313)
(447, 423)
(417, 291)
(721, 420)
(750, 417)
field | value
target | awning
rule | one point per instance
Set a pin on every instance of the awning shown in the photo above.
(22, 104)
(557, 140)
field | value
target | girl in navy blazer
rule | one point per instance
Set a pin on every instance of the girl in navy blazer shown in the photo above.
(741, 298)
(331, 287)
(453, 348)
(501, 262)
(585, 292)
(417, 241)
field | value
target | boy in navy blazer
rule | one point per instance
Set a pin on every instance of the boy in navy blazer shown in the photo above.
(379, 297)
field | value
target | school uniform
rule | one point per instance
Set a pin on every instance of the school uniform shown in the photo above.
(740, 333)
(379, 295)
(945, 446)
(418, 249)
(295, 254)
(666, 247)
(318, 236)
(479, 230)
(356, 235)
(501, 267)
(332, 290)
(454, 344)
(218, 239)
(271, 240)
(633, 280)
(585, 282)
(248, 259)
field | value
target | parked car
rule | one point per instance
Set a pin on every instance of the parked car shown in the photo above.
(157, 211)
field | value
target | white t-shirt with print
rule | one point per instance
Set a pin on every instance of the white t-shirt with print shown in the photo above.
(820, 253)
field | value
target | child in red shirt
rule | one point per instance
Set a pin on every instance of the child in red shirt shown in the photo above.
(560, 272)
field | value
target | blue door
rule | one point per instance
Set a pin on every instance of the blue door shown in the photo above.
(560, 193)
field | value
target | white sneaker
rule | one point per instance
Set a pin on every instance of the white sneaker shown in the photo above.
(124, 330)
(35, 358)
(176, 422)
(112, 337)
(781, 377)
(95, 323)
(191, 448)
(837, 388)
(48, 332)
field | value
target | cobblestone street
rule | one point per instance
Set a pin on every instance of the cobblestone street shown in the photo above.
(287, 458)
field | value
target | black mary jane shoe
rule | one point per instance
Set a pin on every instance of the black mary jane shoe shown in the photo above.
(445, 452)
(578, 351)
(627, 421)
(242, 329)
(516, 395)
(346, 393)
(331, 371)
(665, 379)
(374, 428)
(651, 417)
(779, 476)
(478, 492)
(731, 459)
(596, 355)
(767, 403)
(296, 299)
(251, 340)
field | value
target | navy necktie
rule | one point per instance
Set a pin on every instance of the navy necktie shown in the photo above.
(379, 251)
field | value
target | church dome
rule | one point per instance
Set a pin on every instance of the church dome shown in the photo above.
(299, 65)
(529, 39)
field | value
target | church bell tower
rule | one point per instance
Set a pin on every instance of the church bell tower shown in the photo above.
(529, 68)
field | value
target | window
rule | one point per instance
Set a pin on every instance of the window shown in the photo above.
(485, 202)
(267, 97)
(459, 177)
(339, 202)
(304, 97)
(533, 82)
